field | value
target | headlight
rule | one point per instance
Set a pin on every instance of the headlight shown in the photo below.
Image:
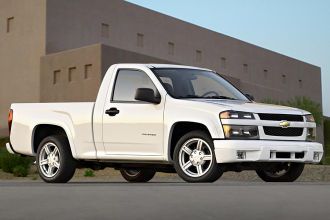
(240, 132)
(310, 118)
(236, 115)
(311, 134)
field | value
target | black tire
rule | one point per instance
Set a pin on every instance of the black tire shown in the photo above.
(291, 172)
(137, 175)
(67, 163)
(214, 171)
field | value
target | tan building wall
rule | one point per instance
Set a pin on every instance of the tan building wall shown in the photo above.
(22, 42)
(120, 24)
(57, 35)
(75, 75)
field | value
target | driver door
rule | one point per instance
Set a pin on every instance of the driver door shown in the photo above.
(132, 127)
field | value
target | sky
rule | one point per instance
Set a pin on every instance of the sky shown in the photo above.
(296, 28)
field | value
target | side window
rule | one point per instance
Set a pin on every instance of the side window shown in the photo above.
(127, 82)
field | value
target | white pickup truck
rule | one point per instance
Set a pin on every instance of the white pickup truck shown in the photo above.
(151, 118)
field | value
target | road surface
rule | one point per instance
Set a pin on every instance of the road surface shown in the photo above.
(164, 200)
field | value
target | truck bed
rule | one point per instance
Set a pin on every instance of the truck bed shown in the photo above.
(75, 118)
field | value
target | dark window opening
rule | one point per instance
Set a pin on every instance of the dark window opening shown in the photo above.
(88, 70)
(56, 76)
(72, 71)
(105, 29)
(199, 56)
(10, 24)
(223, 62)
(170, 48)
(140, 40)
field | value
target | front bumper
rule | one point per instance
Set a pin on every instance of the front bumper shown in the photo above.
(236, 151)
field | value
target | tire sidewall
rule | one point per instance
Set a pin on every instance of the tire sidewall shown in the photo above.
(67, 164)
(212, 174)
(291, 175)
(143, 175)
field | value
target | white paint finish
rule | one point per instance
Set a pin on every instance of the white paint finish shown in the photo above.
(138, 128)
(94, 135)
(259, 151)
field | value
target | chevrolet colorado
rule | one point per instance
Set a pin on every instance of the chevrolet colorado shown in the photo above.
(151, 118)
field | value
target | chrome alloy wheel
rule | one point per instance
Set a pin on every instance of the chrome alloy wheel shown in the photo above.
(49, 160)
(195, 157)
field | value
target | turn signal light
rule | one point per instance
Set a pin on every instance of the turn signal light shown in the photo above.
(10, 119)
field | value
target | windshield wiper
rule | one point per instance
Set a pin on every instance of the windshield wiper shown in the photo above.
(219, 97)
(206, 97)
(189, 97)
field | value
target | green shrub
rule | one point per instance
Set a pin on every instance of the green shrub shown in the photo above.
(15, 164)
(309, 105)
(9, 161)
(304, 103)
(20, 171)
(327, 132)
(89, 173)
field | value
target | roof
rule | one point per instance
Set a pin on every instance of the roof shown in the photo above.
(154, 65)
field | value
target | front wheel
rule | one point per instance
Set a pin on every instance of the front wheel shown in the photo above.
(194, 158)
(281, 172)
(137, 175)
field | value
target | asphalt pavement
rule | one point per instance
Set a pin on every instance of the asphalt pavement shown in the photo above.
(164, 200)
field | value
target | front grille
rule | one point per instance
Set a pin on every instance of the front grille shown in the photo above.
(280, 117)
(288, 132)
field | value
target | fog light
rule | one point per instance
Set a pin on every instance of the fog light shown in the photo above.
(241, 155)
(316, 156)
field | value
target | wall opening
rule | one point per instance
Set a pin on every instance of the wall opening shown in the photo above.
(223, 62)
(88, 71)
(283, 78)
(105, 30)
(72, 71)
(10, 24)
(140, 40)
(171, 48)
(245, 68)
(199, 56)
(56, 76)
(265, 74)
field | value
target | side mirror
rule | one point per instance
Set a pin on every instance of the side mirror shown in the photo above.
(147, 95)
(249, 97)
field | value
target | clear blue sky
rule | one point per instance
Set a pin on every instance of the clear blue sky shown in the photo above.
(297, 28)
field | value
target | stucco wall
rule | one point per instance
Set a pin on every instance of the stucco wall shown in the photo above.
(79, 22)
(20, 51)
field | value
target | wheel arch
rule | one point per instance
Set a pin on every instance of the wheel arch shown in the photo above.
(42, 131)
(181, 128)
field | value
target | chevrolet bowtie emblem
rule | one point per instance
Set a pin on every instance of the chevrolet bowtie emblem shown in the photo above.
(284, 124)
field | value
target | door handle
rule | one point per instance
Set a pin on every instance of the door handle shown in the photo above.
(112, 111)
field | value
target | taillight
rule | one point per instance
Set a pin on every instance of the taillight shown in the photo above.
(10, 119)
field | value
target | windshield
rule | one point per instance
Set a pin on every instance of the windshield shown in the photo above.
(192, 83)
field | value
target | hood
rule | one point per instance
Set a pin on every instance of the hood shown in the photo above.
(253, 107)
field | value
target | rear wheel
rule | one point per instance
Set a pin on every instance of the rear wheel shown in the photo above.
(194, 158)
(137, 175)
(281, 172)
(55, 163)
